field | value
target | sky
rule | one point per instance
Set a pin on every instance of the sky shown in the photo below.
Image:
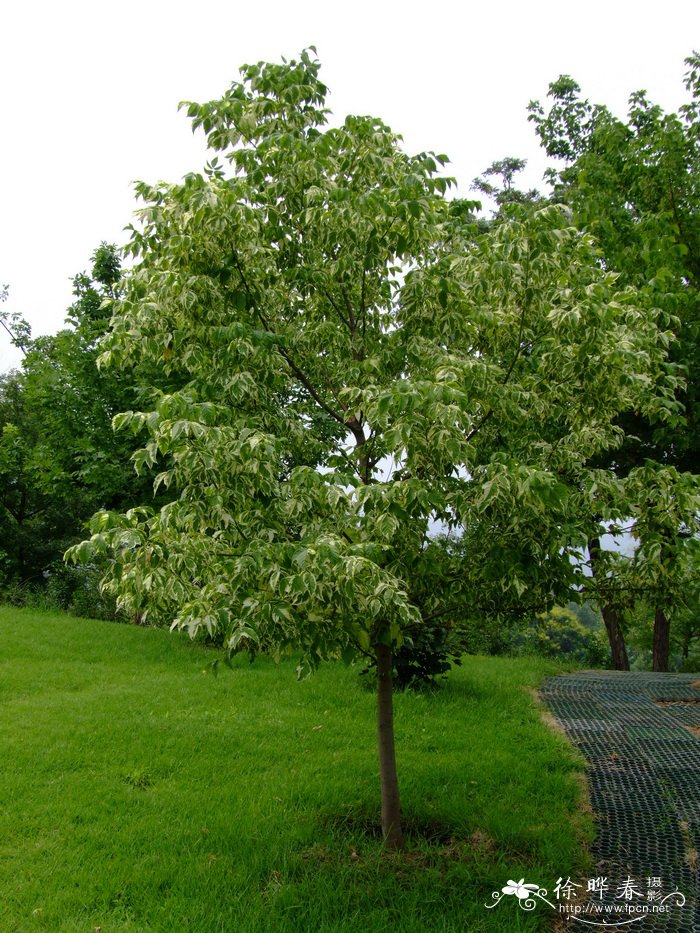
(89, 94)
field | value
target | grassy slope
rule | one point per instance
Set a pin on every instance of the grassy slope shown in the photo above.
(138, 792)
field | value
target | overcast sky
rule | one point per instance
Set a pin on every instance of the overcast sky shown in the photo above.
(89, 95)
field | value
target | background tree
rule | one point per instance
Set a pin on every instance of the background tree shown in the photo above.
(357, 365)
(503, 190)
(59, 458)
(559, 633)
(14, 324)
(634, 185)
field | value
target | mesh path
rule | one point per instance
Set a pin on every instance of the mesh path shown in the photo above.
(640, 735)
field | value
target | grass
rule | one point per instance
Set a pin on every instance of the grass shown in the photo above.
(138, 792)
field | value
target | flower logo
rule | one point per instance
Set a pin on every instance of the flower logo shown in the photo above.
(525, 893)
(521, 890)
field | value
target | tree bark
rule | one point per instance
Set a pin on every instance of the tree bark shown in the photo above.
(662, 630)
(611, 616)
(391, 809)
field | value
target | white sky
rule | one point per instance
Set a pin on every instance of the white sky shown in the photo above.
(89, 94)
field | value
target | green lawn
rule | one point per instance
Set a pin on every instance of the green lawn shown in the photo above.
(139, 792)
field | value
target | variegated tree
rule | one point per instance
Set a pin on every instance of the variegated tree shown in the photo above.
(356, 367)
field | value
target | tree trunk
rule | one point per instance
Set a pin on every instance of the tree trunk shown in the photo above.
(391, 810)
(611, 617)
(662, 630)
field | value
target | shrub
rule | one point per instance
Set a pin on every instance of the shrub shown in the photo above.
(558, 633)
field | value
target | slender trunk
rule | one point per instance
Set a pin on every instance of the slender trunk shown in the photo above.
(662, 623)
(662, 630)
(611, 617)
(391, 810)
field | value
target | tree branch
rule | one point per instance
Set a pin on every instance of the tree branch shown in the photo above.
(301, 376)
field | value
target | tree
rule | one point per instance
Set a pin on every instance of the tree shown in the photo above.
(558, 633)
(59, 458)
(358, 364)
(635, 186)
(505, 171)
(14, 324)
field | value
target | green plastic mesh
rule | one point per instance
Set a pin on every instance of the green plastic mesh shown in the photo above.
(643, 765)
